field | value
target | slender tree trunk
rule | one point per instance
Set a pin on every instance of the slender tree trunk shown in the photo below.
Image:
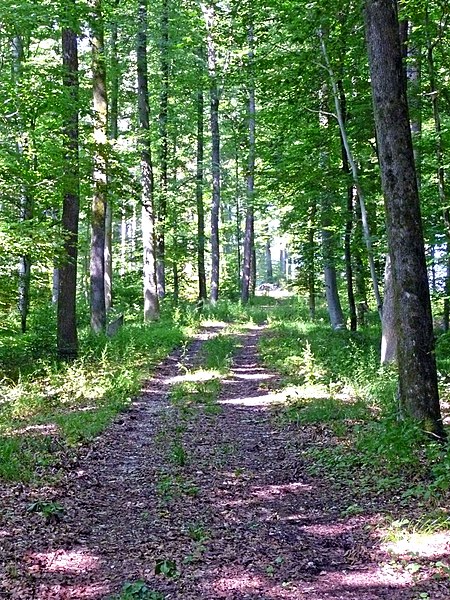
(441, 176)
(349, 219)
(100, 118)
(66, 304)
(209, 15)
(113, 134)
(249, 238)
(311, 260)
(151, 301)
(418, 389)
(164, 152)
(202, 293)
(269, 269)
(237, 202)
(356, 180)
(26, 205)
(388, 338)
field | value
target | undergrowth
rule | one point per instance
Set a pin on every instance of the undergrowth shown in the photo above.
(333, 381)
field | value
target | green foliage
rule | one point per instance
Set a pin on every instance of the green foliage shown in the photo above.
(51, 511)
(137, 590)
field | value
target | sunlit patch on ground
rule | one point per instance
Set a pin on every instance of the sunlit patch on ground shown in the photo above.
(196, 376)
(44, 430)
(273, 491)
(425, 545)
(67, 561)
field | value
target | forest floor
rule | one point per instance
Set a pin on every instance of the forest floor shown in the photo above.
(205, 501)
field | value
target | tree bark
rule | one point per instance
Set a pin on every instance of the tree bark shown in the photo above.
(356, 180)
(100, 119)
(151, 301)
(113, 134)
(209, 16)
(164, 152)
(202, 293)
(66, 303)
(249, 237)
(418, 389)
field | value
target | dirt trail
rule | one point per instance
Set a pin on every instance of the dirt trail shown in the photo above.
(238, 520)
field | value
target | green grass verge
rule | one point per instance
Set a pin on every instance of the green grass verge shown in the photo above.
(334, 381)
(55, 405)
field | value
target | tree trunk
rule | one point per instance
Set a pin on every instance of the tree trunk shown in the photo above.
(164, 152)
(418, 389)
(349, 219)
(356, 180)
(388, 338)
(202, 294)
(249, 238)
(100, 119)
(269, 269)
(67, 288)
(311, 261)
(151, 301)
(331, 289)
(113, 134)
(209, 15)
(441, 176)
(26, 207)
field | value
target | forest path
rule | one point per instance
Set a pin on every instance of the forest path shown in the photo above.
(204, 502)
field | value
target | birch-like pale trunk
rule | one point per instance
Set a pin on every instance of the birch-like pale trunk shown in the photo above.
(100, 123)
(210, 19)
(151, 301)
(249, 257)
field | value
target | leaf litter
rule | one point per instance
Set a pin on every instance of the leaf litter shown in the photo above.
(239, 518)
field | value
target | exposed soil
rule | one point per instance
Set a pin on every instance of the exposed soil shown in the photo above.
(240, 520)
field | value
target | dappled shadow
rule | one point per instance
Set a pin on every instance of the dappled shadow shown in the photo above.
(239, 517)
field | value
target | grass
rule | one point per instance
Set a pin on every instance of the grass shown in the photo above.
(48, 406)
(333, 381)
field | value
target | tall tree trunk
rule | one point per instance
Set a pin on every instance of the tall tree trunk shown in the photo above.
(151, 301)
(209, 15)
(164, 152)
(356, 180)
(388, 337)
(249, 238)
(311, 260)
(202, 293)
(26, 205)
(100, 119)
(349, 219)
(418, 387)
(66, 303)
(113, 134)
(269, 269)
(441, 176)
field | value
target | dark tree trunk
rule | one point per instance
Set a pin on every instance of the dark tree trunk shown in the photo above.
(418, 387)
(100, 118)
(66, 304)
(151, 301)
